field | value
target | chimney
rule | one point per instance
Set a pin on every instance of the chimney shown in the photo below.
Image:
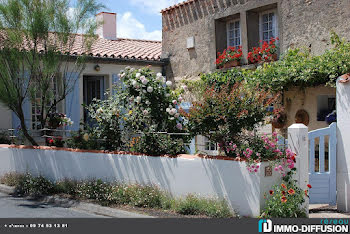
(108, 25)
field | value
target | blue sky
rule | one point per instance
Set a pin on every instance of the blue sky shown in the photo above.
(138, 19)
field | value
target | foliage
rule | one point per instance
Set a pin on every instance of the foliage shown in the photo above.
(36, 36)
(193, 205)
(104, 193)
(55, 141)
(84, 140)
(34, 186)
(106, 122)
(223, 114)
(264, 53)
(229, 54)
(159, 144)
(296, 67)
(4, 138)
(149, 106)
(56, 120)
(285, 200)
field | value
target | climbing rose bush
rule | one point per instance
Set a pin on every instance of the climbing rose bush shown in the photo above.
(149, 106)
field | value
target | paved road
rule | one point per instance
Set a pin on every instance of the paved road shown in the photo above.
(15, 207)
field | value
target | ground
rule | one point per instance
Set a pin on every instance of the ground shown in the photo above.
(326, 211)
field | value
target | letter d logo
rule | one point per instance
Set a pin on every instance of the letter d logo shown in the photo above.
(265, 225)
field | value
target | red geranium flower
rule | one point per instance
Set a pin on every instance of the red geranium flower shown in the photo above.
(309, 185)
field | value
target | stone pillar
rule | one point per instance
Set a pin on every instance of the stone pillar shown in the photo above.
(343, 146)
(298, 142)
(244, 34)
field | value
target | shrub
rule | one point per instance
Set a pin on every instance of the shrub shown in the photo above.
(193, 205)
(223, 114)
(34, 186)
(83, 140)
(96, 190)
(144, 196)
(66, 186)
(4, 138)
(285, 200)
(159, 144)
(11, 179)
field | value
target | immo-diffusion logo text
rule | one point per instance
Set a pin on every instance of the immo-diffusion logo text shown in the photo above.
(265, 225)
(325, 226)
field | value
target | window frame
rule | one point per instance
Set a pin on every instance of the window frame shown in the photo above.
(228, 32)
(275, 21)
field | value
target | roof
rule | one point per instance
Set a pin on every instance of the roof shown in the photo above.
(177, 5)
(122, 48)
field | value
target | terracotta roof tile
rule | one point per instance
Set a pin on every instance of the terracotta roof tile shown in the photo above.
(176, 5)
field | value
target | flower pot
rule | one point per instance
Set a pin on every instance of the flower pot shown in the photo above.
(274, 57)
(232, 63)
(279, 121)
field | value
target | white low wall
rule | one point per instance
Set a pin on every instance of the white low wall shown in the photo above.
(180, 176)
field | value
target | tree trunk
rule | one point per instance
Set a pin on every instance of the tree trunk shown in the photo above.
(25, 131)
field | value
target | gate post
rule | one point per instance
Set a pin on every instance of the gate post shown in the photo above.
(343, 146)
(298, 142)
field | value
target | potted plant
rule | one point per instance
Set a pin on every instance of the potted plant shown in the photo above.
(230, 57)
(279, 119)
(266, 53)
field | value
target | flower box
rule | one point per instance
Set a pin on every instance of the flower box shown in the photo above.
(232, 63)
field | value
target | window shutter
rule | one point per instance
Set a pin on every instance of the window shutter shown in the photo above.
(72, 102)
(115, 81)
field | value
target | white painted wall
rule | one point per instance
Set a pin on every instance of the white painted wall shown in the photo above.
(180, 176)
(5, 118)
(343, 146)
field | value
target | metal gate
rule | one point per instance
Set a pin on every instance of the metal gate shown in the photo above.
(322, 165)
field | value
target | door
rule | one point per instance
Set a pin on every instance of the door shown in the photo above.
(93, 88)
(322, 165)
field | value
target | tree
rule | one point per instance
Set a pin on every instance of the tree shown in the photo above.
(36, 41)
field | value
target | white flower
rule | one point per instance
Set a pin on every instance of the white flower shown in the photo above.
(180, 99)
(168, 110)
(132, 69)
(150, 89)
(134, 83)
(138, 75)
(86, 137)
(169, 83)
(99, 111)
(167, 95)
(177, 115)
(145, 112)
(122, 75)
(159, 74)
(148, 102)
(138, 99)
(144, 80)
(172, 111)
(174, 102)
(144, 91)
(184, 87)
(127, 68)
(179, 126)
(172, 118)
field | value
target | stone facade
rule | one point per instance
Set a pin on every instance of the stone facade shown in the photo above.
(306, 23)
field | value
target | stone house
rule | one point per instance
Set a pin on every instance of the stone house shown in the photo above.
(109, 55)
(196, 30)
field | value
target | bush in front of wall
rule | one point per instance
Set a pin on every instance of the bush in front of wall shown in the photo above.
(34, 186)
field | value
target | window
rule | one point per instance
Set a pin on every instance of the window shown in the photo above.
(36, 106)
(326, 104)
(233, 33)
(209, 145)
(268, 25)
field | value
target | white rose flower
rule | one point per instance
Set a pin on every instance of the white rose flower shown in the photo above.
(174, 110)
(159, 74)
(138, 99)
(145, 112)
(148, 102)
(172, 118)
(138, 75)
(144, 81)
(134, 83)
(168, 110)
(150, 89)
(169, 83)
(127, 68)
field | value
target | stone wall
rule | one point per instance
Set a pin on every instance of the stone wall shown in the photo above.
(306, 23)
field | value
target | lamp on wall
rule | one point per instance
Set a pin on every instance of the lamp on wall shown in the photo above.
(97, 67)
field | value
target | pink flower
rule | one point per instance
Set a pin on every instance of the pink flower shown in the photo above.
(179, 126)
(276, 168)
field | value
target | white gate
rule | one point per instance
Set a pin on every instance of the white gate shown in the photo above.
(322, 169)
